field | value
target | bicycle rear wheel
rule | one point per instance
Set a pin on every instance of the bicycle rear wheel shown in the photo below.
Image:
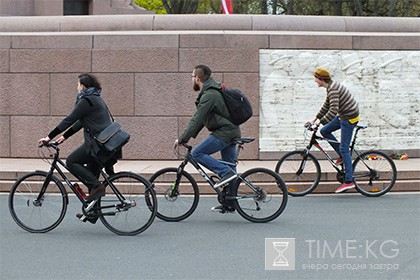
(33, 214)
(300, 176)
(261, 195)
(131, 208)
(374, 173)
(177, 205)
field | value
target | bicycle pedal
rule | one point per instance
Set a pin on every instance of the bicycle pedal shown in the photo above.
(82, 218)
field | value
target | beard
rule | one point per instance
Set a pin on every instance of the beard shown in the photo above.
(196, 87)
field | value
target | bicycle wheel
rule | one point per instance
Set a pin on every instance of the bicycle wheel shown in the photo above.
(299, 182)
(136, 212)
(374, 173)
(261, 195)
(174, 207)
(35, 215)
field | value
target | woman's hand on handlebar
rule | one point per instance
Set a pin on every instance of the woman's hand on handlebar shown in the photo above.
(44, 140)
(60, 140)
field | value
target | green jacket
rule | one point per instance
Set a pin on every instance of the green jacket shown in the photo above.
(211, 113)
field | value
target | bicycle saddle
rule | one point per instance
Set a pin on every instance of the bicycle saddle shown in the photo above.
(243, 140)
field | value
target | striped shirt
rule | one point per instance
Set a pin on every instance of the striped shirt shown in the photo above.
(339, 102)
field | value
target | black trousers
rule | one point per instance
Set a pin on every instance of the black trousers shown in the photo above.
(80, 163)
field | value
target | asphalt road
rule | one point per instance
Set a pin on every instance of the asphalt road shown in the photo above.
(327, 237)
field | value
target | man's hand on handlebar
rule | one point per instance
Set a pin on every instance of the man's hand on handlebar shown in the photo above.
(312, 125)
(176, 143)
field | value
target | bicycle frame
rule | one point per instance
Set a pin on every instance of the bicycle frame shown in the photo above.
(314, 142)
(55, 167)
(189, 159)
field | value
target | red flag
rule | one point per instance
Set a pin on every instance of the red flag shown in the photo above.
(227, 7)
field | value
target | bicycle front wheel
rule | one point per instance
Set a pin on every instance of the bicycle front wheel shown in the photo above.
(300, 174)
(374, 173)
(35, 213)
(130, 208)
(261, 195)
(176, 203)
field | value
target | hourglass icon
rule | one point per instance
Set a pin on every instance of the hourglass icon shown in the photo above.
(280, 247)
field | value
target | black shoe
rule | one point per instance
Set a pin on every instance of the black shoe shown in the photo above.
(96, 193)
(87, 218)
(223, 209)
(226, 179)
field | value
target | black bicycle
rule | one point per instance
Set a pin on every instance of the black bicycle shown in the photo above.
(259, 194)
(38, 200)
(374, 172)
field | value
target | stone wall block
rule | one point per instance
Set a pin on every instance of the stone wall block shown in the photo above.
(27, 130)
(107, 23)
(202, 22)
(5, 41)
(117, 91)
(409, 42)
(50, 61)
(52, 41)
(220, 60)
(164, 94)
(223, 40)
(382, 24)
(4, 136)
(298, 23)
(4, 60)
(136, 41)
(310, 41)
(30, 24)
(141, 60)
(150, 137)
(63, 92)
(24, 94)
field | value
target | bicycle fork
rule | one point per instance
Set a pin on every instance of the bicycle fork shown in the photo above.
(303, 162)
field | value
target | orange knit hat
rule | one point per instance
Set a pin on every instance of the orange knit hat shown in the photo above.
(322, 74)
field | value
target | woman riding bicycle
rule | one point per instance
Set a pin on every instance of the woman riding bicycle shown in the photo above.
(339, 111)
(90, 113)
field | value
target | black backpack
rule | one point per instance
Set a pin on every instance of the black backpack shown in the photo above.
(239, 107)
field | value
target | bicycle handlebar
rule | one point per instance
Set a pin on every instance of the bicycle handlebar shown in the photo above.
(52, 144)
(309, 127)
(187, 146)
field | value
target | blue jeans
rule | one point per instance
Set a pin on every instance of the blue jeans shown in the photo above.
(342, 148)
(202, 154)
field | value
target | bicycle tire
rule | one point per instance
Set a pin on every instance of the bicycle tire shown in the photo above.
(37, 216)
(379, 178)
(304, 183)
(266, 205)
(181, 206)
(136, 213)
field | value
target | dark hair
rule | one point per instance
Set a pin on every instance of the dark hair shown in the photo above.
(89, 80)
(203, 72)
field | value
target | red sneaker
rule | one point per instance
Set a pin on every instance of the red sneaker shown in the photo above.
(345, 187)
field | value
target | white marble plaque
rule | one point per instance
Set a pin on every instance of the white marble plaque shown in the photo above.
(385, 83)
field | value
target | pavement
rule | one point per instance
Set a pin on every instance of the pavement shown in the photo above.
(340, 236)
(408, 178)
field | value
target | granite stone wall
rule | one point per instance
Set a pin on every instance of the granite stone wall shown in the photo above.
(145, 61)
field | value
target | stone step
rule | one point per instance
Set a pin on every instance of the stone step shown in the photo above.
(408, 178)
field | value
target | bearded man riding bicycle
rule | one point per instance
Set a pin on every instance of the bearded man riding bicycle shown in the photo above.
(213, 114)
